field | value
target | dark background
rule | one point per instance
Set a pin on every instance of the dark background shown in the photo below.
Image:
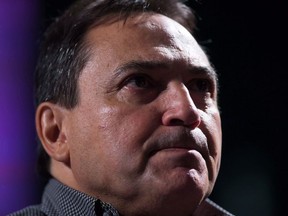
(247, 43)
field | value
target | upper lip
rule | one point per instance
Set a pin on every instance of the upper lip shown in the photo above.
(179, 138)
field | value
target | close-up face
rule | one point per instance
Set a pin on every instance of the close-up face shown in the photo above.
(146, 130)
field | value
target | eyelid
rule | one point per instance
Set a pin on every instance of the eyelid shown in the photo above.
(134, 75)
(210, 82)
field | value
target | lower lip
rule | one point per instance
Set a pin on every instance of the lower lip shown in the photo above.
(180, 156)
(176, 150)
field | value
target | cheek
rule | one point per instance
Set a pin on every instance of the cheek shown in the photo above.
(111, 133)
(94, 147)
(212, 128)
(131, 128)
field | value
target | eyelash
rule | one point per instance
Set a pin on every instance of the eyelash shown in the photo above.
(197, 85)
(132, 80)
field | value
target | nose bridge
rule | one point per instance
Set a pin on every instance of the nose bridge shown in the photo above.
(180, 96)
(180, 107)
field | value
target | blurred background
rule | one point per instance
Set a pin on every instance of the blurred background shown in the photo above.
(247, 43)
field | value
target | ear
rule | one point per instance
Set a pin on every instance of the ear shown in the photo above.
(51, 131)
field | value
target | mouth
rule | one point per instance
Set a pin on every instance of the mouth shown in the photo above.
(178, 159)
(172, 148)
(180, 141)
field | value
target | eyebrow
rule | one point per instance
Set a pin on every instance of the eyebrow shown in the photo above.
(150, 65)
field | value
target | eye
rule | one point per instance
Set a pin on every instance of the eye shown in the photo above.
(138, 88)
(201, 85)
(139, 81)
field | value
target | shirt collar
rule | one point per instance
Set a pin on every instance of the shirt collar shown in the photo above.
(59, 199)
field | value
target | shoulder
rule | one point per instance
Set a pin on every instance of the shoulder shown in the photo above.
(29, 211)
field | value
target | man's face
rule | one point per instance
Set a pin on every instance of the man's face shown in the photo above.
(146, 133)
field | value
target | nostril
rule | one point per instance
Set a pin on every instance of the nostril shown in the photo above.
(176, 122)
(179, 122)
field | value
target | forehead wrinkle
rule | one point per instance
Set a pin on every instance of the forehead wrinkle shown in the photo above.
(163, 30)
(140, 65)
(172, 40)
(167, 45)
(164, 34)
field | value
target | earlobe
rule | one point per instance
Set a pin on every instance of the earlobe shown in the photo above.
(51, 131)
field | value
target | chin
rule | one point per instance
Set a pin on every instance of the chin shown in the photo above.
(178, 194)
(185, 193)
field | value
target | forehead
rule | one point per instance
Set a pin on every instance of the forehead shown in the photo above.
(144, 37)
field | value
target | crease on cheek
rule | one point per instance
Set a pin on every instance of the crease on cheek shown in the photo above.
(212, 129)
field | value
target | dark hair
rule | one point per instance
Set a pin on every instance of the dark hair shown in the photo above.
(63, 52)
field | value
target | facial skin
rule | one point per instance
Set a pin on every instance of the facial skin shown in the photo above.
(146, 133)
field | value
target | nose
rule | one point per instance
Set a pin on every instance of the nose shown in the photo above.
(180, 109)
